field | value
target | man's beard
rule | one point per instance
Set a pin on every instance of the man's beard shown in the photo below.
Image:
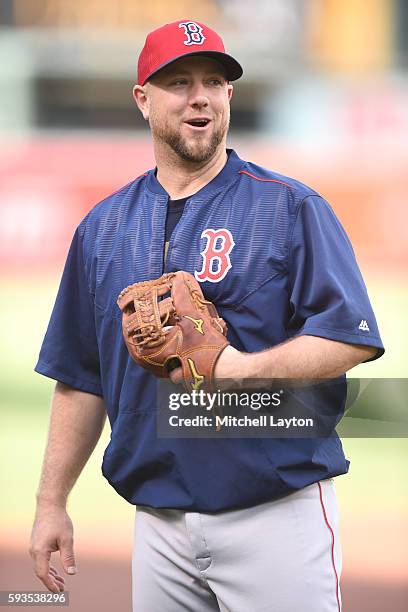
(195, 150)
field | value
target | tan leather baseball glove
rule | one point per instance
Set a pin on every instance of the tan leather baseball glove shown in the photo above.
(167, 323)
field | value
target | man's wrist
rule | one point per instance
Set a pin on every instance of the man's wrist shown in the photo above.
(259, 365)
(46, 500)
(229, 364)
(246, 366)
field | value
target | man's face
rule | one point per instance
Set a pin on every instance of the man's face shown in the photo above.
(187, 106)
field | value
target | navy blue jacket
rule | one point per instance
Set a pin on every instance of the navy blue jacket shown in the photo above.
(292, 271)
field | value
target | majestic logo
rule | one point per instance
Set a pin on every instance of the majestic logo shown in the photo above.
(198, 324)
(364, 325)
(194, 33)
(216, 255)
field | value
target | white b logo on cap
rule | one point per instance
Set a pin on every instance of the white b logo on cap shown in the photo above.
(194, 33)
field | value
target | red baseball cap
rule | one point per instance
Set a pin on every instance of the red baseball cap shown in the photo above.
(180, 39)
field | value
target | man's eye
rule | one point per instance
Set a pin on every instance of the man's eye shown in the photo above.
(216, 82)
(179, 82)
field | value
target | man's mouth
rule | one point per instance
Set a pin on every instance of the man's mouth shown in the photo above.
(198, 124)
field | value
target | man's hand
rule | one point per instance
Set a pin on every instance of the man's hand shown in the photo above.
(52, 531)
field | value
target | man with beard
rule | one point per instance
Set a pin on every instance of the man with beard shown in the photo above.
(221, 524)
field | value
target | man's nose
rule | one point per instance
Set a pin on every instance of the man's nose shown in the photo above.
(198, 96)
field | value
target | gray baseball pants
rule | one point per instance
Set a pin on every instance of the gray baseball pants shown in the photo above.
(279, 556)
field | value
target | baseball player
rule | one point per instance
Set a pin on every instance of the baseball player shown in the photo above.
(221, 524)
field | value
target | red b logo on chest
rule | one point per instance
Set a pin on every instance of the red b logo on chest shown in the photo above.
(216, 255)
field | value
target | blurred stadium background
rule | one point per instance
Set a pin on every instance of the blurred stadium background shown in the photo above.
(324, 99)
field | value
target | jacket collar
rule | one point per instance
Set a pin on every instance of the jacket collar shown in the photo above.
(227, 175)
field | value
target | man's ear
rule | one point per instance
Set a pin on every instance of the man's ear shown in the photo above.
(141, 99)
(230, 89)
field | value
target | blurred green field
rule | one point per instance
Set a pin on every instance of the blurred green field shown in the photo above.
(377, 478)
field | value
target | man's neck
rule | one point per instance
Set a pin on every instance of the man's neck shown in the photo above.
(181, 179)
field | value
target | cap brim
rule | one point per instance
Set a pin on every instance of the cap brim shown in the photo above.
(233, 69)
